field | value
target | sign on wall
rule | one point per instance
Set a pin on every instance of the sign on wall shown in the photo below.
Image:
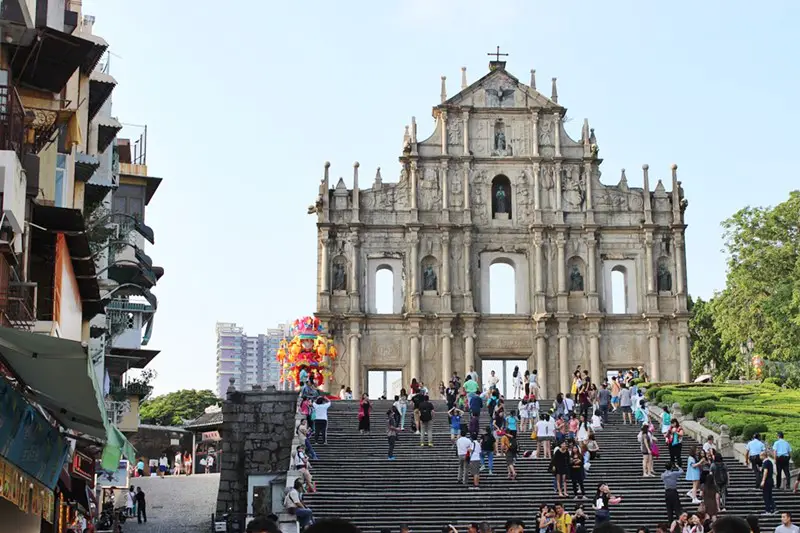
(211, 436)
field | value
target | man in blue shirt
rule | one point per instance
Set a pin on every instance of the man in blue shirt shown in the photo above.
(754, 449)
(783, 450)
(475, 405)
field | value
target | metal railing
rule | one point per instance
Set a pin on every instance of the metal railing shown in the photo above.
(18, 306)
(12, 121)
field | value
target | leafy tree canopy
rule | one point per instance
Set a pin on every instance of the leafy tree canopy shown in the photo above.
(176, 407)
(761, 299)
(709, 353)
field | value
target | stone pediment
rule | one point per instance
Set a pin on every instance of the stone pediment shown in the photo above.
(499, 89)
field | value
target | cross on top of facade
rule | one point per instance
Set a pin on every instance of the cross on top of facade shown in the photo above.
(496, 54)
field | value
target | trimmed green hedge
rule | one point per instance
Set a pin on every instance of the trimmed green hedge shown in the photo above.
(745, 409)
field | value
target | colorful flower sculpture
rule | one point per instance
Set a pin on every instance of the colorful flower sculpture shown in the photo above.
(309, 349)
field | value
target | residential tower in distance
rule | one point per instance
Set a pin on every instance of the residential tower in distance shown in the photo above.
(249, 359)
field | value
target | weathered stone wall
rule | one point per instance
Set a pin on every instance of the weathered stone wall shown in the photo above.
(258, 428)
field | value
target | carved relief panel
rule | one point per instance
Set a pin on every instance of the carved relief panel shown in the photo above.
(430, 196)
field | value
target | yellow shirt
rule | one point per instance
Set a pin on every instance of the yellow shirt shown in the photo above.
(563, 523)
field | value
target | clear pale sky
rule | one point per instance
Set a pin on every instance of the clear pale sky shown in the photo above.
(245, 100)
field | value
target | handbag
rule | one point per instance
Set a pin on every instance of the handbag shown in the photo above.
(533, 435)
(654, 449)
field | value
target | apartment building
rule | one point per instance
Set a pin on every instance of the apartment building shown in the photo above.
(76, 307)
(250, 360)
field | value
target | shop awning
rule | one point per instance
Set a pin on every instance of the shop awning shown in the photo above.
(60, 376)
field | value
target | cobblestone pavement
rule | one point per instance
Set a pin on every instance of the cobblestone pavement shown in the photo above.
(177, 505)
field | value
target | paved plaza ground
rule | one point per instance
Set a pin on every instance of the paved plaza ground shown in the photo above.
(177, 505)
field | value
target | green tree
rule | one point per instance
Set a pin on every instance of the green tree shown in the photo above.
(173, 408)
(761, 299)
(709, 353)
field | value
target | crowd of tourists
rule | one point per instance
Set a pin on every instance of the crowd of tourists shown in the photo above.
(559, 520)
(483, 425)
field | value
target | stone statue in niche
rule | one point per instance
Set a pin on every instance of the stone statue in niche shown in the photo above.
(339, 277)
(500, 198)
(501, 147)
(429, 279)
(499, 138)
(575, 280)
(664, 279)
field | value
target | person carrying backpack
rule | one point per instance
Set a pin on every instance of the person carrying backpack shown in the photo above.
(426, 421)
(720, 473)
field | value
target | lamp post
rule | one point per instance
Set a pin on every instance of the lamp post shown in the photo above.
(746, 349)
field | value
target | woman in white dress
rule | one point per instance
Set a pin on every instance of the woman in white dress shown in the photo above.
(517, 378)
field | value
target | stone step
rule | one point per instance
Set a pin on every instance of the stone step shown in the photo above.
(421, 487)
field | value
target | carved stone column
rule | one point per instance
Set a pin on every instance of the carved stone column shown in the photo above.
(557, 133)
(680, 279)
(537, 190)
(465, 117)
(324, 271)
(444, 131)
(468, 299)
(591, 273)
(445, 281)
(413, 278)
(653, 371)
(413, 188)
(562, 274)
(445, 186)
(594, 358)
(469, 346)
(355, 359)
(541, 359)
(683, 352)
(445, 183)
(415, 359)
(648, 255)
(355, 300)
(587, 173)
(563, 357)
(535, 133)
(467, 207)
(447, 356)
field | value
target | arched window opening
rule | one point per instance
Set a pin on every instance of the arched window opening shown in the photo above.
(384, 290)
(619, 291)
(501, 198)
(502, 289)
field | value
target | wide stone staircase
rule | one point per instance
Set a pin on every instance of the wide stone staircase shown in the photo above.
(355, 480)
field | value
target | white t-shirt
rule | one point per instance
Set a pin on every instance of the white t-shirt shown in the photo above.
(542, 429)
(523, 410)
(493, 381)
(476, 451)
(463, 445)
(569, 404)
(130, 500)
(708, 447)
(343, 394)
(597, 422)
(321, 410)
(300, 459)
(163, 461)
(178, 459)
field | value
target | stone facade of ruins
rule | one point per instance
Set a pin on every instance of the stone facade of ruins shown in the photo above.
(500, 181)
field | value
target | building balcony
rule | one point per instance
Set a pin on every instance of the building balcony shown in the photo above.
(122, 392)
(18, 306)
(125, 323)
